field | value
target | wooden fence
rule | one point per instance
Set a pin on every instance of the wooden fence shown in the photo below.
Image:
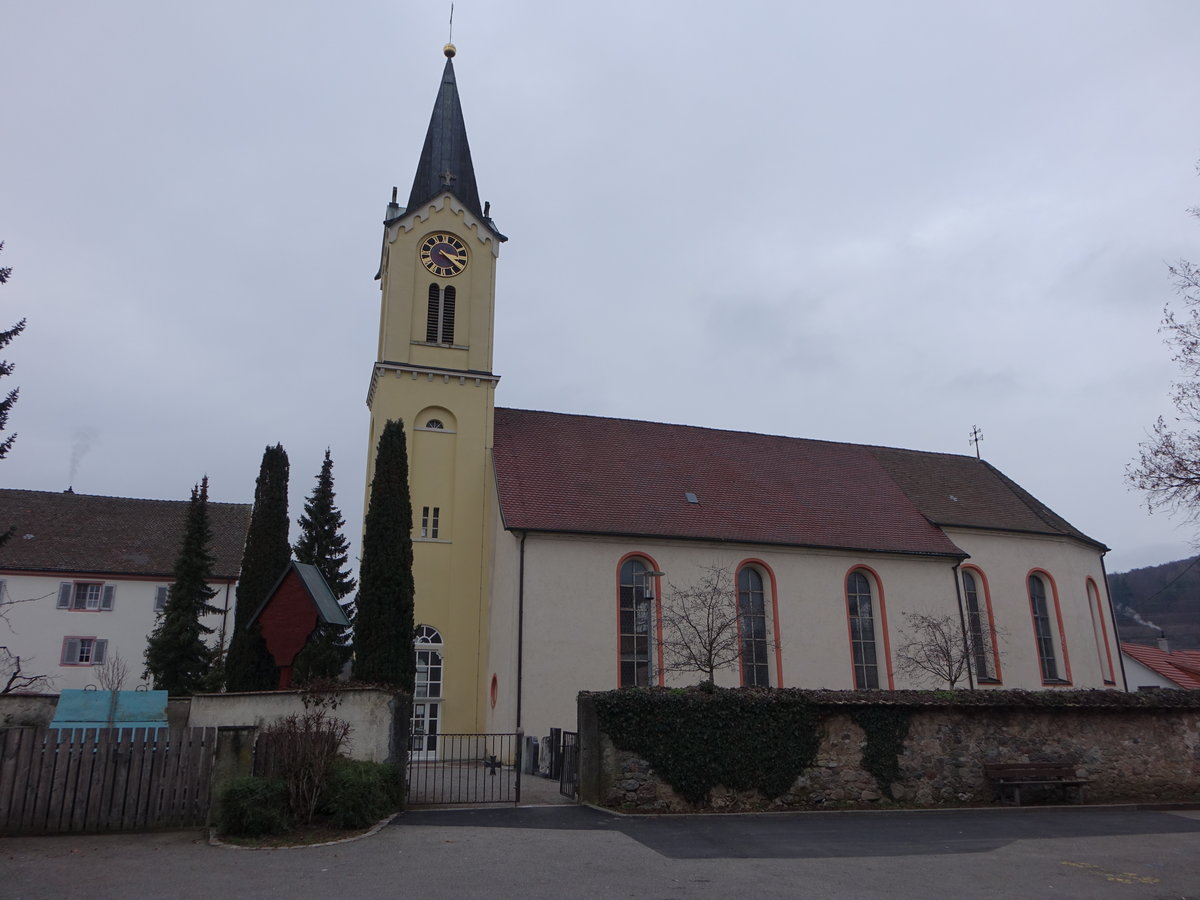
(76, 780)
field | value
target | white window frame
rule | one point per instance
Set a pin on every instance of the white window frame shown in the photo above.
(75, 647)
(77, 596)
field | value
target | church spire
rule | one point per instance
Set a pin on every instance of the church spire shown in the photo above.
(446, 157)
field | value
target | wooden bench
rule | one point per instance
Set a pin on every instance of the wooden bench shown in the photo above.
(1011, 777)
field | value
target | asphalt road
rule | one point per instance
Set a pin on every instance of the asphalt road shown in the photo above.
(1089, 852)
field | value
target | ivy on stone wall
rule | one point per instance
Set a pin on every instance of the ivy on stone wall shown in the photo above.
(701, 738)
(885, 728)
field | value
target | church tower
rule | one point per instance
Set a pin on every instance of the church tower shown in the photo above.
(433, 371)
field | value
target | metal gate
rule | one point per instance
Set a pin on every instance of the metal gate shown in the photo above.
(568, 778)
(466, 769)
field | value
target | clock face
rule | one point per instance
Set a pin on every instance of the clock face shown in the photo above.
(443, 254)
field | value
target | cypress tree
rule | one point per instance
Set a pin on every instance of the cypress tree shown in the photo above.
(322, 544)
(177, 658)
(383, 629)
(248, 665)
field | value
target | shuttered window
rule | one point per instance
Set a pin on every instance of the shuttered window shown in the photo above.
(84, 651)
(87, 596)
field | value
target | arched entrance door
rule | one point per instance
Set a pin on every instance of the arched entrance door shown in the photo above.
(427, 695)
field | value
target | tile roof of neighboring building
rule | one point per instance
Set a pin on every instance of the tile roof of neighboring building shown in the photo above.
(591, 475)
(1181, 667)
(87, 534)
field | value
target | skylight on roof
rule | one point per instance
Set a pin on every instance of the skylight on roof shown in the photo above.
(691, 497)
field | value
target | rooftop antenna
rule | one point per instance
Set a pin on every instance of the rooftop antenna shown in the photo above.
(976, 437)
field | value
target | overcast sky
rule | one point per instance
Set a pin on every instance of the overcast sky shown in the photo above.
(875, 222)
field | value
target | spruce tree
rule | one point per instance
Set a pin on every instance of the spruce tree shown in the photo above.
(6, 404)
(248, 665)
(383, 629)
(322, 544)
(177, 657)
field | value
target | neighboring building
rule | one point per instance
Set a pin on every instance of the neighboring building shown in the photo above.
(541, 539)
(95, 570)
(1147, 667)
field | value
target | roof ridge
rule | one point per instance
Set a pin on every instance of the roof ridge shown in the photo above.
(77, 494)
(712, 428)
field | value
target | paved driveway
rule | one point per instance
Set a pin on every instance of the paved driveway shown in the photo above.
(578, 852)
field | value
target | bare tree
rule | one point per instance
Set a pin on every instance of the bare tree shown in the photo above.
(700, 624)
(111, 673)
(935, 649)
(13, 676)
(1168, 465)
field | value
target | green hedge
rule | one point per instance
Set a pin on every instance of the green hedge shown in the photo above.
(252, 807)
(361, 793)
(700, 738)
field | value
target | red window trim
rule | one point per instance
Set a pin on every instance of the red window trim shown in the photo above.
(775, 633)
(658, 643)
(1098, 611)
(883, 623)
(1068, 681)
(987, 599)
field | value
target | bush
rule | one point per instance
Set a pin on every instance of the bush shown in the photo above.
(251, 807)
(361, 793)
(302, 750)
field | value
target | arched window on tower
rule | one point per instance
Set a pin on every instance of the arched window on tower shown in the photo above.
(427, 693)
(439, 324)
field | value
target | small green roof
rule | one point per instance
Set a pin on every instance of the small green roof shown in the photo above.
(329, 611)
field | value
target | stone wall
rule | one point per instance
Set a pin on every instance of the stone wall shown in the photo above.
(1142, 754)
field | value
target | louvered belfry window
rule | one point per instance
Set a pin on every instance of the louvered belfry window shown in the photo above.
(439, 323)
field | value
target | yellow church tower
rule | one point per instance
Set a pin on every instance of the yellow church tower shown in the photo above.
(434, 372)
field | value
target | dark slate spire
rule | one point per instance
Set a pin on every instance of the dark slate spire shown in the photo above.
(446, 157)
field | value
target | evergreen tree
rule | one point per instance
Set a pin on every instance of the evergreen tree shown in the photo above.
(322, 544)
(383, 629)
(6, 368)
(177, 658)
(249, 665)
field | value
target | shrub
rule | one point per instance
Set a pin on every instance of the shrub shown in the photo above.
(301, 751)
(361, 793)
(252, 806)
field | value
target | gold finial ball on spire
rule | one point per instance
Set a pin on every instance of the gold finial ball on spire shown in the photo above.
(449, 51)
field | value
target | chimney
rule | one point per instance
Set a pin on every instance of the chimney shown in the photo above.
(1163, 644)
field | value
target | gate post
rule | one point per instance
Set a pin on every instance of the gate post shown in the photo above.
(517, 763)
(234, 758)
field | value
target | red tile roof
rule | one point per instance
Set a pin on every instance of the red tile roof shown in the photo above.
(1181, 667)
(965, 492)
(87, 534)
(591, 475)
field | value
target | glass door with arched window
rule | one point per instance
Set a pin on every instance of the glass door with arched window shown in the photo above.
(427, 694)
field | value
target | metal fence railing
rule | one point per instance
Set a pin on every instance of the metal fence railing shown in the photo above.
(466, 769)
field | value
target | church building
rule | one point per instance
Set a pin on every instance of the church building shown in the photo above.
(548, 546)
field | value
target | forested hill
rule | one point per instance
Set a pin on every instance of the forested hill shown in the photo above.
(1155, 598)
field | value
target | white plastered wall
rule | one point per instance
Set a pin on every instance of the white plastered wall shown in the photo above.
(36, 629)
(570, 611)
(1006, 560)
